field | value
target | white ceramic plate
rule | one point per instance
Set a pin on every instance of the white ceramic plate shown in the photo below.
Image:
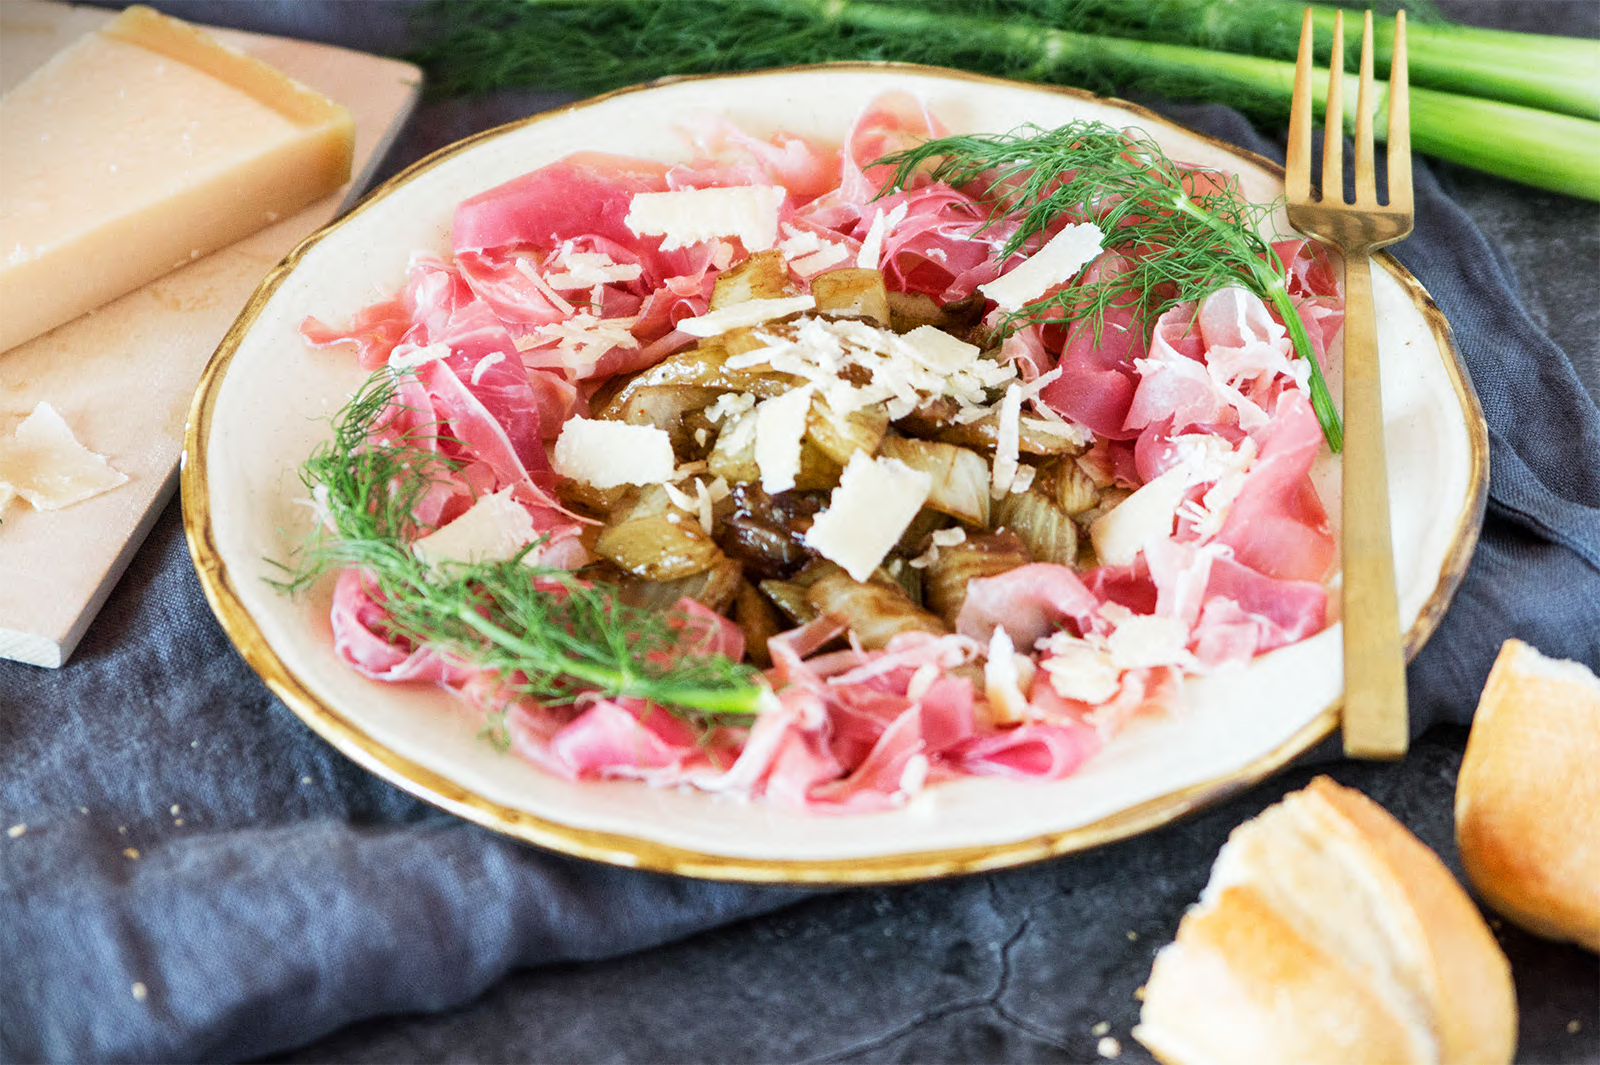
(265, 397)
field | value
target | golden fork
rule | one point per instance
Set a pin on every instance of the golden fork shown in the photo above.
(1375, 724)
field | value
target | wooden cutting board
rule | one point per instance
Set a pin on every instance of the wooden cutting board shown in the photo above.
(122, 375)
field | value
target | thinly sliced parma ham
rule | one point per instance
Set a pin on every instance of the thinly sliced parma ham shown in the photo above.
(548, 298)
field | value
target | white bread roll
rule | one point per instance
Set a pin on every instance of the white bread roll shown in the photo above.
(1528, 797)
(1329, 934)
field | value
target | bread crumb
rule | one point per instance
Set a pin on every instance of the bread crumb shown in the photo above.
(16, 830)
(1138, 993)
(1100, 1029)
(305, 780)
(84, 810)
(122, 830)
(178, 822)
(1108, 1048)
(131, 853)
(1132, 936)
(1572, 1027)
(139, 992)
(194, 743)
(175, 810)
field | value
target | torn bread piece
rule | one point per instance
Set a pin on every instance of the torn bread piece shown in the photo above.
(1329, 933)
(43, 463)
(1528, 795)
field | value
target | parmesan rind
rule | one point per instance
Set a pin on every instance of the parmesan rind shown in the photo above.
(607, 454)
(780, 427)
(493, 529)
(693, 216)
(44, 464)
(742, 315)
(1069, 251)
(875, 501)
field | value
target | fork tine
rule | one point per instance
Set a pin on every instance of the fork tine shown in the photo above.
(1333, 119)
(1399, 121)
(1297, 167)
(1366, 188)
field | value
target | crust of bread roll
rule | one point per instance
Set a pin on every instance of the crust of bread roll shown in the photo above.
(1528, 797)
(1329, 933)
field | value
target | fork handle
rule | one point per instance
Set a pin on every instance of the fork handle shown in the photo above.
(1375, 723)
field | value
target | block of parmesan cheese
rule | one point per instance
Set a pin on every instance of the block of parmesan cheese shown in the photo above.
(139, 148)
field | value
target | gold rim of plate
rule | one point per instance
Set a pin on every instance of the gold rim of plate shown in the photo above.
(624, 850)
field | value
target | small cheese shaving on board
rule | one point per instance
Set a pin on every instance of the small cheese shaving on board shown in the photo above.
(1057, 262)
(493, 529)
(607, 454)
(875, 501)
(780, 425)
(748, 313)
(44, 464)
(692, 216)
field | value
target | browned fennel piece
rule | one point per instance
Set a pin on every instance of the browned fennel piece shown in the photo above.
(1528, 796)
(1329, 933)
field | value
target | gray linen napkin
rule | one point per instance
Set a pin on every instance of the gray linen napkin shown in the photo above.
(200, 877)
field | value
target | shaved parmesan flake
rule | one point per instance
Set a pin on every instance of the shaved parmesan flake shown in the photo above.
(493, 529)
(409, 356)
(731, 404)
(585, 269)
(819, 261)
(1022, 480)
(882, 226)
(680, 499)
(607, 454)
(44, 464)
(820, 351)
(483, 365)
(1007, 442)
(1078, 670)
(1006, 678)
(948, 537)
(586, 336)
(780, 425)
(797, 243)
(875, 501)
(922, 679)
(748, 313)
(915, 775)
(940, 351)
(1120, 533)
(1058, 261)
(531, 272)
(1149, 640)
(1071, 432)
(691, 216)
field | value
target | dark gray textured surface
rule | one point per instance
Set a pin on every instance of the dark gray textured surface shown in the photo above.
(1011, 966)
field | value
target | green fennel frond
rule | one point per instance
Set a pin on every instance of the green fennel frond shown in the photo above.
(541, 632)
(1187, 232)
